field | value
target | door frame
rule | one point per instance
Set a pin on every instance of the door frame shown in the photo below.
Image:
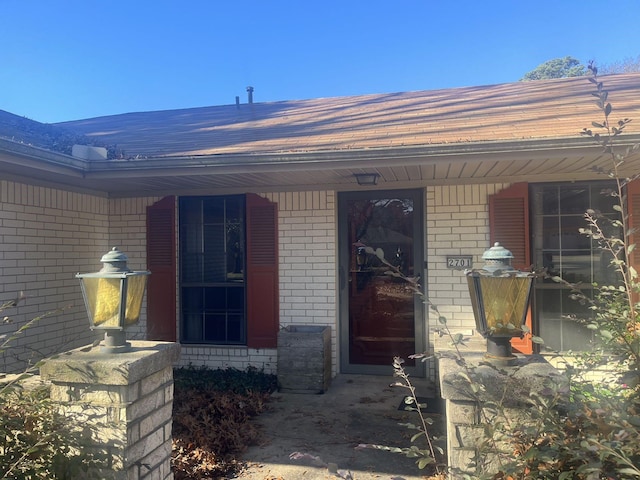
(420, 320)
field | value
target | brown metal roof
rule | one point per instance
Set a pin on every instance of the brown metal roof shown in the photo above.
(515, 111)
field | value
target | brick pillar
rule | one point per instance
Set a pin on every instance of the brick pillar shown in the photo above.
(127, 398)
(466, 413)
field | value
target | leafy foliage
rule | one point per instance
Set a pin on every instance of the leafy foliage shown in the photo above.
(599, 422)
(615, 307)
(628, 65)
(556, 68)
(38, 441)
(572, 429)
(212, 412)
(224, 380)
(583, 424)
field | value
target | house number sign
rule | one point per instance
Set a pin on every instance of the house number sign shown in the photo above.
(459, 262)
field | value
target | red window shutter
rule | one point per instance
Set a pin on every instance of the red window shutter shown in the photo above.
(633, 211)
(161, 261)
(509, 225)
(262, 273)
(509, 222)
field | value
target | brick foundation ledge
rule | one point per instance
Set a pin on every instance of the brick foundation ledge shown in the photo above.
(128, 400)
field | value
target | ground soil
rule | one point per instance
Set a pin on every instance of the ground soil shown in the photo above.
(325, 429)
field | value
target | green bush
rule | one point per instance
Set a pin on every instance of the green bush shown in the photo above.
(224, 380)
(37, 441)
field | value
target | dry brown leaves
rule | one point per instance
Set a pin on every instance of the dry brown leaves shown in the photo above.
(210, 430)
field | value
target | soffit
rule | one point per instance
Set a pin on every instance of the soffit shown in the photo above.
(400, 168)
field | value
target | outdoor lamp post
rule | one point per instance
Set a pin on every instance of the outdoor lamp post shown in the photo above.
(113, 297)
(500, 297)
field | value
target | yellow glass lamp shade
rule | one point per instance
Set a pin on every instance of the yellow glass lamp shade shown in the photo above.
(113, 297)
(500, 303)
(500, 297)
(103, 297)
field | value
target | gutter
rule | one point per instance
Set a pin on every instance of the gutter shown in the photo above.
(318, 160)
(48, 161)
(40, 158)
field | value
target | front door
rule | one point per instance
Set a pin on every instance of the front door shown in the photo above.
(381, 316)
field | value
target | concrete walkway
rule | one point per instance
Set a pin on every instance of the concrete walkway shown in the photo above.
(325, 429)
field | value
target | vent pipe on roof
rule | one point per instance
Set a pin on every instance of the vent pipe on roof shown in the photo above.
(250, 94)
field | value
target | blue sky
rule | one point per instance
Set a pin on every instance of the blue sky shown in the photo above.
(71, 59)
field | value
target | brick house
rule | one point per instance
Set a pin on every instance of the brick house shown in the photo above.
(250, 216)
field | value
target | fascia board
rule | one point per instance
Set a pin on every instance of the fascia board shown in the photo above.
(273, 162)
(25, 157)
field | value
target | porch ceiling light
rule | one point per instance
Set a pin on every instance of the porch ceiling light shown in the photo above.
(500, 297)
(113, 298)
(367, 179)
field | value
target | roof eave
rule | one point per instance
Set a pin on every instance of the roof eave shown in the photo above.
(41, 158)
(352, 158)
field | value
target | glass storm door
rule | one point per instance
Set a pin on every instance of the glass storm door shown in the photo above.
(381, 317)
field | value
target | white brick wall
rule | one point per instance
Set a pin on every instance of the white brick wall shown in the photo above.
(128, 232)
(46, 237)
(224, 357)
(307, 230)
(457, 224)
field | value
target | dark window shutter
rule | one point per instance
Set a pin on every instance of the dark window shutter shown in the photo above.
(262, 273)
(509, 225)
(161, 261)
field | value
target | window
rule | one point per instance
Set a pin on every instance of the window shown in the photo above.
(557, 215)
(258, 275)
(212, 270)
